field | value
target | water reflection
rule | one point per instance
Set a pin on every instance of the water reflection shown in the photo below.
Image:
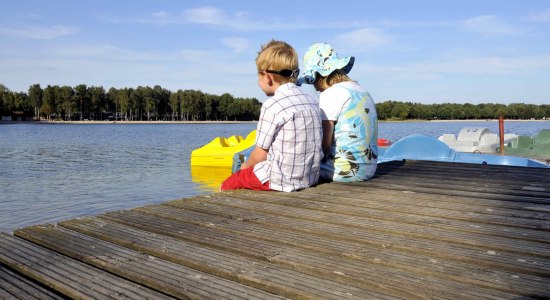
(209, 179)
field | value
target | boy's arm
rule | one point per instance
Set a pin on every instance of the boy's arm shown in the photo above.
(257, 155)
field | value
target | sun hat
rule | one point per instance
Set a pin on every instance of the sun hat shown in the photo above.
(322, 58)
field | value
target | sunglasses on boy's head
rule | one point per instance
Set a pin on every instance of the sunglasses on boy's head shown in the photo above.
(286, 73)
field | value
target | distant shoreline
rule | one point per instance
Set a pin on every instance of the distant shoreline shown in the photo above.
(141, 122)
(472, 120)
(247, 122)
(241, 122)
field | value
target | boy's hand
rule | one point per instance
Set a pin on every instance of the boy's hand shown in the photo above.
(257, 155)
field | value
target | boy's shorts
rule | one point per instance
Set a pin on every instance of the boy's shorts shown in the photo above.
(244, 179)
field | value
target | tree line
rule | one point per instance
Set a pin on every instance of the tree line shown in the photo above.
(395, 110)
(132, 104)
(145, 103)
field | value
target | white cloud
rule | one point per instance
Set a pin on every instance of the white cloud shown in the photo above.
(362, 39)
(489, 25)
(237, 21)
(543, 16)
(237, 44)
(160, 18)
(469, 66)
(206, 15)
(240, 20)
(216, 17)
(495, 65)
(101, 52)
(42, 33)
(462, 79)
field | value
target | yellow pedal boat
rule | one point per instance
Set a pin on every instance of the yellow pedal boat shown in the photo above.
(220, 151)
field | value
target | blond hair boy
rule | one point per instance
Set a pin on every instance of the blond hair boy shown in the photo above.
(288, 150)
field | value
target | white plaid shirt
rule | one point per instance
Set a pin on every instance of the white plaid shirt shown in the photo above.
(290, 128)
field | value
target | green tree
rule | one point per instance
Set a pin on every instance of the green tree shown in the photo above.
(234, 109)
(57, 102)
(123, 102)
(68, 102)
(193, 104)
(98, 102)
(185, 104)
(22, 102)
(469, 111)
(81, 95)
(112, 100)
(249, 108)
(512, 111)
(384, 109)
(182, 104)
(161, 104)
(7, 103)
(150, 102)
(224, 104)
(400, 111)
(7, 100)
(445, 111)
(174, 102)
(35, 96)
(211, 103)
(48, 102)
(137, 103)
(162, 97)
(545, 108)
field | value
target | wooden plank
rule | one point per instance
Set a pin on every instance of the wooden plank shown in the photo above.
(482, 255)
(229, 265)
(450, 191)
(444, 181)
(353, 269)
(477, 172)
(482, 172)
(146, 270)
(460, 232)
(451, 188)
(241, 223)
(466, 182)
(15, 286)
(69, 277)
(469, 180)
(374, 237)
(392, 198)
(466, 179)
(5, 295)
(361, 203)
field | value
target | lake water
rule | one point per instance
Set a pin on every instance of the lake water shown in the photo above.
(54, 172)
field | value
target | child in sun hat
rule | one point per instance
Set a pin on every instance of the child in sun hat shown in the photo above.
(288, 152)
(350, 125)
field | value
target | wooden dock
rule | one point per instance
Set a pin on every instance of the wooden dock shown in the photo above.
(418, 230)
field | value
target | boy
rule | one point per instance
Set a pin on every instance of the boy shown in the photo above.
(289, 132)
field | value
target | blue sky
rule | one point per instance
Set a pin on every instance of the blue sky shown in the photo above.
(421, 51)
